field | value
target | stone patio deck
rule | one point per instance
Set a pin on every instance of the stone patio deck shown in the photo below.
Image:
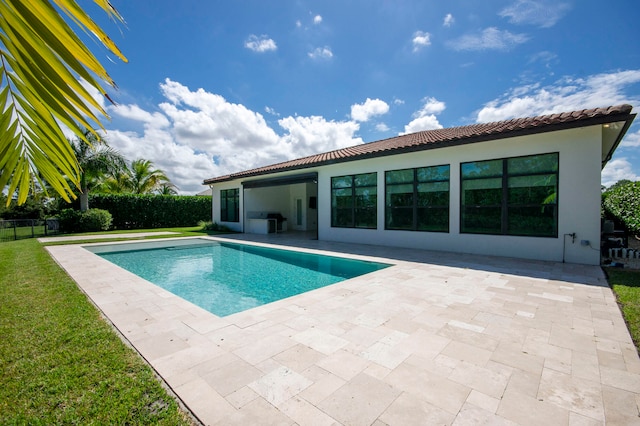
(438, 338)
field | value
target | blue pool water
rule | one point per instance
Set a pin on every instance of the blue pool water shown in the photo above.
(225, 278)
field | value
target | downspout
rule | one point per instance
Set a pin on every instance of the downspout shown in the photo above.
(564, 243)
(315, 181)
(212, 205)
(243, 210)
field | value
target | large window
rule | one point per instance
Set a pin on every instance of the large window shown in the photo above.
(511, 196)
(354, 200)
(230, 205)
(418, 199)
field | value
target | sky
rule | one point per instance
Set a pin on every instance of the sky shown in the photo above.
(216, 87)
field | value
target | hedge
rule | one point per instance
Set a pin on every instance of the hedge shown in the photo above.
(153, 211)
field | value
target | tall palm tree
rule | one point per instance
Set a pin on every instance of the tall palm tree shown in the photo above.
(115, 184)
(167, 189)
(95, 160)
(43, 68)
(145, 178)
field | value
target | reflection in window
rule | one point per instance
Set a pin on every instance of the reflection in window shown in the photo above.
(354, 201)
(230, 205)
(512, 196)
(418, 199)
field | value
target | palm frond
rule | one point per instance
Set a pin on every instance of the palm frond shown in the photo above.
(42, 62)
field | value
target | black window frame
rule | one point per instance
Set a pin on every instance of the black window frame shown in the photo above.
(226, 195)
(355, 208)
(505, 205)
(415, 206)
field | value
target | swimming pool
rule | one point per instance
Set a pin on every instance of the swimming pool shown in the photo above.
(225, 278)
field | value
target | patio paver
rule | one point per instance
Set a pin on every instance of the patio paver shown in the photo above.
(438, 338)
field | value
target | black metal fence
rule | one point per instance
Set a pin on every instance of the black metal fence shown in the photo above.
(17, 229)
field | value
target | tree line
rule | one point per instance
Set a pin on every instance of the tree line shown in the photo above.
(103, 169)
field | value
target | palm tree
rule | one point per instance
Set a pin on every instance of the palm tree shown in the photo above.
(43, 68)
(95, 160)
(114, 184)
(144, 178)
(167, 189)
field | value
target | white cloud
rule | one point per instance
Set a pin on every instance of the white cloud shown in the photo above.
(616, 170)
(371, 107)
(448, 20)
(489, 39)
(260, 44)
(426, 122)
(432, 106)
(542, 13)
(425, 118)
(317, 19)
(298, 24)
(420, 40)
(631, 140)
(397, 101)
(382, 127)
(198, 135)
(134, 112)
(271, 111)
(544, 57)
(312, 135)
(567, 94)
(321, 53)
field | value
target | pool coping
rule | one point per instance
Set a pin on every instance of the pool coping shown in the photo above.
(436, 336)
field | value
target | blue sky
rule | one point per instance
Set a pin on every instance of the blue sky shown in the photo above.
(215, 87)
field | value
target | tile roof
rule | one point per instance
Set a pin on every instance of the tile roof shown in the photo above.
(430, 139)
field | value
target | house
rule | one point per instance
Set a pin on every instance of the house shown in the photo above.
(526, 187)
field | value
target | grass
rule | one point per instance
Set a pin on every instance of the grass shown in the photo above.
(21, 232)
(626, 285)
(60, 362)
(193, 231)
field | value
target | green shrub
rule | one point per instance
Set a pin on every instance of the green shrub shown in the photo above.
(33, 208)
(622, 203)
(69, 220)
(213, 226)
(95, 220)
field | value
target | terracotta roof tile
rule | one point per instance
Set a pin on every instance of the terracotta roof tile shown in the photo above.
(438, 138)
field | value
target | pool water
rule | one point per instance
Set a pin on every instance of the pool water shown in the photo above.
(225, 278)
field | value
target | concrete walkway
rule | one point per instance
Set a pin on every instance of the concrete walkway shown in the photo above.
(437, 338)
(104, 236)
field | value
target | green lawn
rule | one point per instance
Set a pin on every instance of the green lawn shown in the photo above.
(21, 232)
(626, 285)
(60, 362)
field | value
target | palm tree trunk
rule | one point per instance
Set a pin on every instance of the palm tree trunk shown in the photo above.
(84, 201)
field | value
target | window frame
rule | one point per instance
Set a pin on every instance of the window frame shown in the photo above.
(505, 204)
(224, 204)
(415, 207)
(354, 201)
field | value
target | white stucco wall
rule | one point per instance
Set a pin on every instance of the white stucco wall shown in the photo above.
(578, 198)
(302, 191)
(215, 200)
(274, 199)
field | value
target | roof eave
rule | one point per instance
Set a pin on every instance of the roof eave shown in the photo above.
(625, 116)
(619, 138)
